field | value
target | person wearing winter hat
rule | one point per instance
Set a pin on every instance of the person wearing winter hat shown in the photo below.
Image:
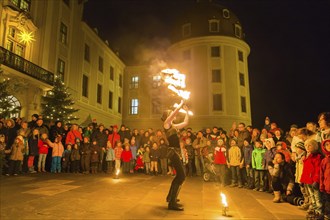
(299, 158)
(16, 156)
(311, 177)
(324, 177)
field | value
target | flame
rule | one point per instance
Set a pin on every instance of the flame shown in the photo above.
(176, 81)
(117, 172)
(224, 200)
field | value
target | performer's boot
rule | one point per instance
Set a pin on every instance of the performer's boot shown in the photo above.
(173, 205)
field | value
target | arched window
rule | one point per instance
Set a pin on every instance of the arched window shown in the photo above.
(14, 103)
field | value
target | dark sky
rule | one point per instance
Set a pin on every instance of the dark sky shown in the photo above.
(289, 63)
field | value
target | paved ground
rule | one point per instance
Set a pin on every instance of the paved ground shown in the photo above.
(137, 196)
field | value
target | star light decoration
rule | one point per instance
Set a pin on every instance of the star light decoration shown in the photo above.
(26, 37)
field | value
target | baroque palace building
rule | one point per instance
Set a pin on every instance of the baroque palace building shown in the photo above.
(207, 45)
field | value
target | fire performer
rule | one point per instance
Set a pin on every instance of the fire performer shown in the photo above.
(171, 130)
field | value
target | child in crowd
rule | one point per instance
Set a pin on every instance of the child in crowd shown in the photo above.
(134, 148)
(16, 156)
(220, 161)
(269, 156)
(154, 156)
(191, 159)
(126, 157)
(110, 157)
(85, 152)
(118, 151)
(311, 177)
(43, 151)
(300, 155)
(75, 158)
(282, 176)
(325, 177)
(163, 155)
(57, 153)
(66, 159)
(95, 156)
(139, 163)
(235, 163)
(33, 149)
(146, 159)
(259, 166)
(282, 147)
(247, 152)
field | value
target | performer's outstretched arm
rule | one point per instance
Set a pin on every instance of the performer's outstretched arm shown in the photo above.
(169, 119)
(185, 121)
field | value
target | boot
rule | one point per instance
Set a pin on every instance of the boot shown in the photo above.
(173, 205)
(39, 169)
(277, 196)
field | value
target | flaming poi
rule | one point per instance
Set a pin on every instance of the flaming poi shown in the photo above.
(176, 82)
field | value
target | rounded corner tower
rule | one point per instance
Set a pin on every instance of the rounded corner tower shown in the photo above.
(208, 46)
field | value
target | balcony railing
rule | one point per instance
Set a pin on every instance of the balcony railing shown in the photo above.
(22, 65)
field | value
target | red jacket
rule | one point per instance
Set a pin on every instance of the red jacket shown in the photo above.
(126, 155)
(311, 170)
(43, 147)
(325, 170)
(71, 137)
(220, 155)
(113, 138)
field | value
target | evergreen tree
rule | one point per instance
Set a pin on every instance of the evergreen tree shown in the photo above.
(57, 103)
(7, 107)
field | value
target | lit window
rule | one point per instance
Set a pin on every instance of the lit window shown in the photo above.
(101, 64)
(85, 86)
(14, 43)
(156, 81)
(14, 106)
(186, 55)
(134, 107)
(241, 79)
(217, 102)
(186, 30)
(225, 13)
(110, 100)
(63, 33)
(215, 51)
(238, 31)
(134, 82)
(214, 25)
(243, 104)
(99, 94)
(216, 76)
(240, 56)
(112, 71)
(22, 4)
(119, 105)
(61, 69)
(87, 53)
(10, 46)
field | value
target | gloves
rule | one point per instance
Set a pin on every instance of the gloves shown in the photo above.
(316, 185)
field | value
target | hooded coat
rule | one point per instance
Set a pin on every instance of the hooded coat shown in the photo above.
(325, 170)
(311, 169)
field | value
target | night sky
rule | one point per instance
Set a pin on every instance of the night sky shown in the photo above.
(289, 63)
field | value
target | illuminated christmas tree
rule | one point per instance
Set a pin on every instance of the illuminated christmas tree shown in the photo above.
(7, 107)
(57, 104)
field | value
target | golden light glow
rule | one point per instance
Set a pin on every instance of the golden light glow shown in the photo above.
(224, 200)
(182, 110)
(26, 37)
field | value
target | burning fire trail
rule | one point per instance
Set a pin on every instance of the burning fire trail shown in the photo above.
(224, 200)
(176, 82)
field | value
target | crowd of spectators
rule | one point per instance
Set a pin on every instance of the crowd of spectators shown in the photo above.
(287, 164)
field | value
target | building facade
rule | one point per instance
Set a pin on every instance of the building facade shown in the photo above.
(207, 45)
(62, 46)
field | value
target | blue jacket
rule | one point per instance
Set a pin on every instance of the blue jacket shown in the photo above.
(247, 152)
